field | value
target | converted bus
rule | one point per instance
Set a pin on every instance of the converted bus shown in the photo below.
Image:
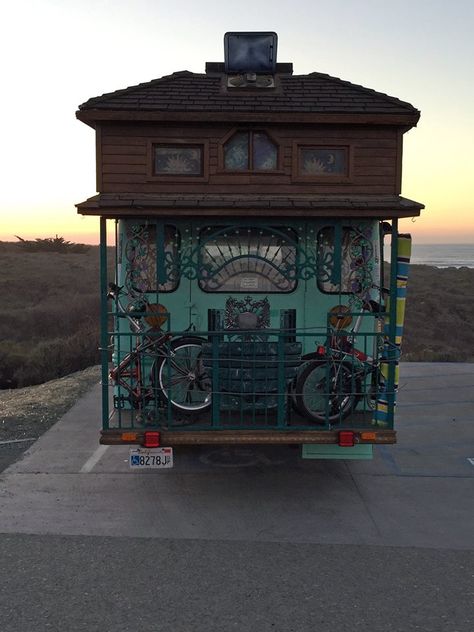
(247, 209)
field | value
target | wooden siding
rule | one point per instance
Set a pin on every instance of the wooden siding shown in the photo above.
(124, 162)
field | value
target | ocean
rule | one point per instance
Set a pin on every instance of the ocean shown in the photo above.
(441, 255)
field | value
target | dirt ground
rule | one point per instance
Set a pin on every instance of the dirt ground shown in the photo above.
(25, 413)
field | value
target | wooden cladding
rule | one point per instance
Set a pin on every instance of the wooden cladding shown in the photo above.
(126, 160)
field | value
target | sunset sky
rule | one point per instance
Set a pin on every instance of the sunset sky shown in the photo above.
(58, 53)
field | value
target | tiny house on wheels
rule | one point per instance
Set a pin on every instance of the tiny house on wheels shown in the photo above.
(248, 208)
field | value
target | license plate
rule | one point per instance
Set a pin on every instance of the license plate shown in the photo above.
(144, 458)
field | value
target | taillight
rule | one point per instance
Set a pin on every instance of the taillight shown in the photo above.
(346, 438)
(151, 439)
(320, 350)
(129, 437)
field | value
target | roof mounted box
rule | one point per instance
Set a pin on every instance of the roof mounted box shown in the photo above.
(250, 52)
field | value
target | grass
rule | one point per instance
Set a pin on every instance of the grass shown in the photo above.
(440, 304)
(49, 317)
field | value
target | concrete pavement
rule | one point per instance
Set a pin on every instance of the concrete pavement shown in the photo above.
(417, 493)
(247, 538)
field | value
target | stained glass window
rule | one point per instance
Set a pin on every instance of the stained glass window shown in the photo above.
(178, 160)
(236, 152)
(356, 253)
(250, 151)
(323, 161)
(265, 152)
(141, 258)
(247, 260)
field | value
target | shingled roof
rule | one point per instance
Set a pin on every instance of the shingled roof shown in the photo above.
(187, 92)
(244, 205)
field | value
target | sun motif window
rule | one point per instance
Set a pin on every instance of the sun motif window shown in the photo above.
(250, 151)
(178, 160)
(247, 259)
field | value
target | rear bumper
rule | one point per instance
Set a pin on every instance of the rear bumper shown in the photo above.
(249, 437)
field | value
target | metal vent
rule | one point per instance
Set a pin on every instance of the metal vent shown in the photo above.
(250, 80)
(250, 52)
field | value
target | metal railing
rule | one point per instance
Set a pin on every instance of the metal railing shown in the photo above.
(237, 380)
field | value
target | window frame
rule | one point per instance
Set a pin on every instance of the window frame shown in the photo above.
(250, 170)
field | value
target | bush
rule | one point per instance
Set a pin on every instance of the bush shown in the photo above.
(51, 244)
(25, 365)
(50, 316)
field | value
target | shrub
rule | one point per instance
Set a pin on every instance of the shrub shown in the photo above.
(51, 244)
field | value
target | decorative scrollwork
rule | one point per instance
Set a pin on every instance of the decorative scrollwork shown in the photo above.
(141, 259)
(243, 258)
(356, 258)
(251, 258)
(235, 309)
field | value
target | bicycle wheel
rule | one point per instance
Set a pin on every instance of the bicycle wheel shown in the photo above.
(327, 392)
(181, 376)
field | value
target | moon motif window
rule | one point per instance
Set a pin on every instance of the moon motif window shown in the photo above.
(316, 163)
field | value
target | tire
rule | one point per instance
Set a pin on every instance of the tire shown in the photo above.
(181, 377)
(326, 392)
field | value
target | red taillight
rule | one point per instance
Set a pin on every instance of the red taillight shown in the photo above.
(320, 350)
(151, 439)
(346, 439)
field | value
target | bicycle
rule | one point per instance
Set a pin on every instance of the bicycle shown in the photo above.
(331, 385)
(176, 373)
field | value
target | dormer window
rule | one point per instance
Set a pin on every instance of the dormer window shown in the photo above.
(250, 151)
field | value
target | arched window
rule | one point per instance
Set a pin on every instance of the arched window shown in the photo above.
(250, 151)
(247, 259)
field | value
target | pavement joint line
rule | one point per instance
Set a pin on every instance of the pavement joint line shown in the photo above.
(93, 459)
(173, 472)
(471, 461)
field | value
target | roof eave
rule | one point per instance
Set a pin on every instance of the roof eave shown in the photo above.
(92, 115)
(116, 206)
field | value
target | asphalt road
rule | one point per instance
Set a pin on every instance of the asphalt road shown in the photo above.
(253, 538)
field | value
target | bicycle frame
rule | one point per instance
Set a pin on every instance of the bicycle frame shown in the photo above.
(124, 378)
(340, 349)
